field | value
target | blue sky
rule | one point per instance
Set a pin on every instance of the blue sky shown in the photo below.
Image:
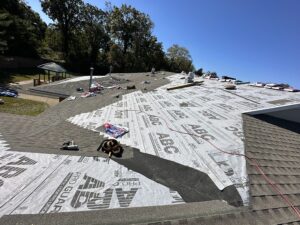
(255, 40)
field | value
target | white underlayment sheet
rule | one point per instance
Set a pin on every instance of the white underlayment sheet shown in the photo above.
(81, 78)
(3, 145)
(32, 183)
(212, 114)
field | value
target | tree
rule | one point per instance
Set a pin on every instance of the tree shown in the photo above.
(153, 54)
(53, 38)
(66, 14)
(128, 28)
(115, 57)
(5, 22)
(179, 59)
(94, 21)
(21, 29)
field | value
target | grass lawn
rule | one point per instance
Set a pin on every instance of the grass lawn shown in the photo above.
(22, 106)
(21, 77)
(17, 75)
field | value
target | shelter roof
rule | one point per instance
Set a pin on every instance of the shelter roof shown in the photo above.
(51, 66)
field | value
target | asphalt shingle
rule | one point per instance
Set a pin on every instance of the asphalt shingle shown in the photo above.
(277, 150)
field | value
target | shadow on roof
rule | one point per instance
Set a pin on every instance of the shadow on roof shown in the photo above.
(289, 125)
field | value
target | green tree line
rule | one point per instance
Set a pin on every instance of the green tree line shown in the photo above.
(83, 35)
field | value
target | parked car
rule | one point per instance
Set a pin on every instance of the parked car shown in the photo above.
(8, 92)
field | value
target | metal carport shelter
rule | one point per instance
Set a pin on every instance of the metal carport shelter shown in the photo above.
(60, 72)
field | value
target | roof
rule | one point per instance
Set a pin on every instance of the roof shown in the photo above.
(277, 150)
(51, 66)
(262, 135)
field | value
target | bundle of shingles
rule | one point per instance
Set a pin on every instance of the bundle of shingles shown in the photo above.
(281, 87)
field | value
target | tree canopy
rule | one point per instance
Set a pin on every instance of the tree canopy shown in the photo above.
(66, 15)
(179, 59)
(94, 22)
(83, 35)
(134, 48)
(21, 29)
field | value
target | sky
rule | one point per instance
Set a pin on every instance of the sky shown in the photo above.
(252, 40)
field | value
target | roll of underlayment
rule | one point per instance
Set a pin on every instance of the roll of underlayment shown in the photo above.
(229, 86)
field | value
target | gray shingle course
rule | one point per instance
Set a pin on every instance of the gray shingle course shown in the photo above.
(277, 150)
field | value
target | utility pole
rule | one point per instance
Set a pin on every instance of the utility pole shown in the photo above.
(91, 77)
(110, 70)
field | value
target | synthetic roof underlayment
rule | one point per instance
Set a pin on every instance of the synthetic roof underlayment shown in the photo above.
(3, 145)
(191, 126)
(76, 79)
(33, 183)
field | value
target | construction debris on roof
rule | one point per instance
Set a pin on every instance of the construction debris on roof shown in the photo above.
(281, 87)
(229, 86)
(238, 82)
(228, 78)
(212, 76)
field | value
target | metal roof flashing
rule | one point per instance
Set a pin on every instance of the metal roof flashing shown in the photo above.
(288, 112)
(274, 109)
